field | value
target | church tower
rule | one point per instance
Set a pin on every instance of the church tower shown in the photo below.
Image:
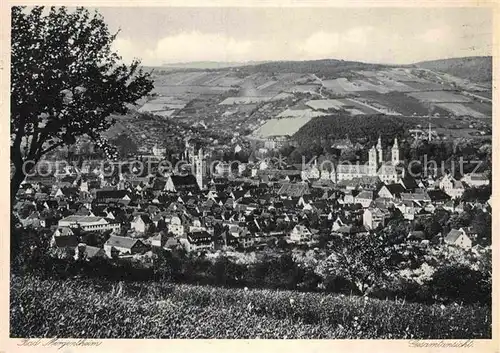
(197, 165)
(372, 161)
(380, 153)
(395, 152)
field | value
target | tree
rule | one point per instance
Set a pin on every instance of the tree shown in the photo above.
(364, 261)
(125, 145)
(65, 83)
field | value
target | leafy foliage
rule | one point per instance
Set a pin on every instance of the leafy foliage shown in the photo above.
(65, 82)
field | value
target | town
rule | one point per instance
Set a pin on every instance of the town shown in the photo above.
(245, 208)
(220, 173)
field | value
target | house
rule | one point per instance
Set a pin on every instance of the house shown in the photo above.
(117, 245)
(159, 240)
(337, 224)
(199, 240)
(172, 243)
(350, 230)
(454, 188)
(66, 242)
(438, 197)
(33, 220)
(175, 226)
(63, 231)
(196, 225)
(90, 223)
(409, 209)
(311, 172)
(141, 223)
(429, 207)
(391, 191)
(408, 182)
(458, 237)
(182, 183)
(87, 252)
(300, 234)
(350, 197)
(419, 195)
(374, 217)
(475, 179)
(246, 240)
(294, 189)
(364, 198)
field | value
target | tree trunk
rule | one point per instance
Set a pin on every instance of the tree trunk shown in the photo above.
(15, 184)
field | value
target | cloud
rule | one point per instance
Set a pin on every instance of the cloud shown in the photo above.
(351, 44)
(320, 44)
(436, 35)
(360, 43)
(188, 46)
(125, 48)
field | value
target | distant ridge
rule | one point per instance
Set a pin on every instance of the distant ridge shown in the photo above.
(209, 64)
(475, 68)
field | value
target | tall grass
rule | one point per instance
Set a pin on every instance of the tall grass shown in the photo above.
(99, 309)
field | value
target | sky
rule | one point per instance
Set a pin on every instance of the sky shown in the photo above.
(379, 35)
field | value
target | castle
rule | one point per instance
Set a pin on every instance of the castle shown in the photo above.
(388, 171)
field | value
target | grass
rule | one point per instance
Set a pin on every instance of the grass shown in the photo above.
(81, 308)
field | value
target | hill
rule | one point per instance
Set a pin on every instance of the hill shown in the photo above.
(80, 308)
(253, 98)
(357, 127)
(475, 69)
(208, 64)
(326, 68)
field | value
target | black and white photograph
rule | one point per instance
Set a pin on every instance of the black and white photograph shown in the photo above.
(250, 173)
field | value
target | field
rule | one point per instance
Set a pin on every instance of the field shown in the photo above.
(398, 102)
(460, 110)
(439, 97)
(482, 108)
(475, 69)
(282, 127)
(360, 106)
(243, 100)
(84, 309)
(325, 104)
(353, 106)
(162, 104)
(303, 88)
(299, 113)
(174, 90)
(230, 99)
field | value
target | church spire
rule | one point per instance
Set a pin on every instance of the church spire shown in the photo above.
(395, 143)
(395, 152)
(380, 156)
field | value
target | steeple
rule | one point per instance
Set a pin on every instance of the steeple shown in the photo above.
(372, 161)
(197, 165)
(380, 151)
(430, 132)
(395, 152)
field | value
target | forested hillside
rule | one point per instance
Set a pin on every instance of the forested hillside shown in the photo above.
(476, 69)
(327, 68)
(356, 127)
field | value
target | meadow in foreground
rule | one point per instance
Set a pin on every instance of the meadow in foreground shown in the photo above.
(82, 308)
